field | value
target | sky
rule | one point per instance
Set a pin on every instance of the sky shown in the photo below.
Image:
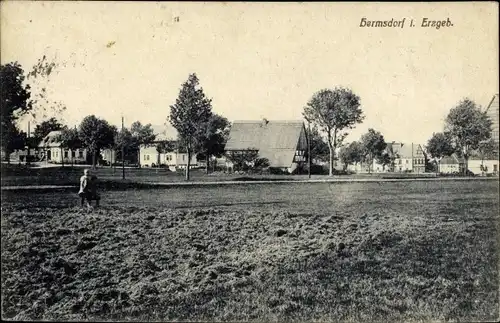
(259, 60)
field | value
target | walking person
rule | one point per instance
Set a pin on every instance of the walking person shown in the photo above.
(88, 189)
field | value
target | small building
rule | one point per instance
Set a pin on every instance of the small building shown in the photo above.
(451, 165)
(282, 143)
(149, 156)
(52, 152)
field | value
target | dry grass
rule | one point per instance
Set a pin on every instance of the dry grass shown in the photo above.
(413, 251)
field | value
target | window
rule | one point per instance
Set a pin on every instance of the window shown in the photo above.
(65, 154)
(407, 161)
(183, 157)
(146, 157)
(80, 153)
(495, 168)
(73, 153)
(57, 153)
(399, 161)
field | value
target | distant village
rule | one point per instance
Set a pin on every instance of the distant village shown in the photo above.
(284, 144)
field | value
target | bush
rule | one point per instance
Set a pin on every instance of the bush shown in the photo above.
(276, 171)
(315, 170)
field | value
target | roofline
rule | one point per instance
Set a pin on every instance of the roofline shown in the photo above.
(270, 121)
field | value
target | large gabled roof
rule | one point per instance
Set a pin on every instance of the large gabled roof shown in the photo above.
(50, 139)
(275, 140)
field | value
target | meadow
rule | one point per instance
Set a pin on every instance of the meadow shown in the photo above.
(388, 251)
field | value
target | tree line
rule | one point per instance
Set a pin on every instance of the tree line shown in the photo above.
(330, 114)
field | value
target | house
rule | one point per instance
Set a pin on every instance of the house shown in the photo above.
(52, 152)
(282, 143)
(408, 157)
(405, 158)
(149, 156)
(451, 164)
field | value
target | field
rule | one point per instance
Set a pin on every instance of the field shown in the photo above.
(15, 175)
(393, 251)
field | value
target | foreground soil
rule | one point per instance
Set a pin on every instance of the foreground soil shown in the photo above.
(351, 252)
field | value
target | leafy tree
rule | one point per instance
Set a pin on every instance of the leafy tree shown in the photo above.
(242, 159)
(69, 139)
(351, 154)
(96, 134)
(44, 128)
(334, 111)
(319, 148)
(384, 159)
(468, 126)
(15, 102)
(212, 137)
(191, 111)
(373, 146)
(166, 146)
(439, 146)
(142, 135)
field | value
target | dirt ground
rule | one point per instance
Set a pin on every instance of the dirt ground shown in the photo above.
(290, 252)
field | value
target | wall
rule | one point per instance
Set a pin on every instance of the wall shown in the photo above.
(491, 165)
(56, 155)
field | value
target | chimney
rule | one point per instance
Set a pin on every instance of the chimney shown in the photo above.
(265, 121)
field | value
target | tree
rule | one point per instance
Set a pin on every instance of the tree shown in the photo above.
(351, 154)
(247, 159)
(468, 126)
(334, 111)
(44, 128)
(15, 102)
(373, 146)
(141, 135)
(123, 142)
(189, 114)
(96, 134)
(319, 148)
(212, 137)
(384, 159)
(439, 146)
(69, 139)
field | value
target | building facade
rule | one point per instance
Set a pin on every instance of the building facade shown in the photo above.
(50, 151)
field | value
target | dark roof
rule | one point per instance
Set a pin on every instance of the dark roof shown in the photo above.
(275, 140)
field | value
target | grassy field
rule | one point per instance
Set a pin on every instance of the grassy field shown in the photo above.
(15, 175)
(395, 251)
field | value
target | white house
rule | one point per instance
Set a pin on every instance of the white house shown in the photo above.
(52, 152)
(150, 157)
(451, 164)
